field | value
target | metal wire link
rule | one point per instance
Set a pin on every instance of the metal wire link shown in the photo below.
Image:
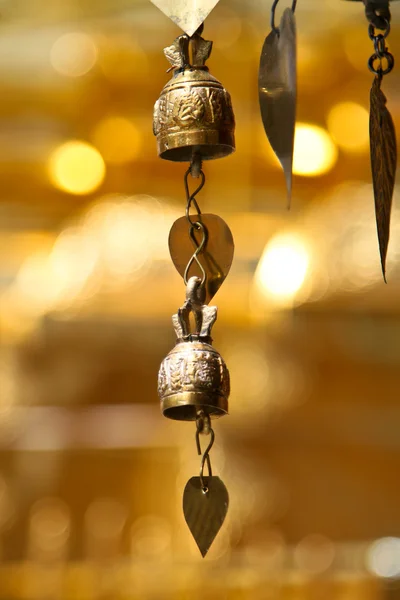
(191, 197)
(273, 10)
(203, 425)
(195, 225)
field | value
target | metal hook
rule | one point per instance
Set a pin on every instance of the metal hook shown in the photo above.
(206, 456)
(273, 9)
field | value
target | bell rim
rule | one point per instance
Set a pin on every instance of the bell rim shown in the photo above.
(184, 406)
(209, 143)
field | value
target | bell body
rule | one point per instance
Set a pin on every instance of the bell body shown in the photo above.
(194, 115)
(193, 377)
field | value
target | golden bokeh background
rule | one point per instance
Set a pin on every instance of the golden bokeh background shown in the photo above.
(91, 474)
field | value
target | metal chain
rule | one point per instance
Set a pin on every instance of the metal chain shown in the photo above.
(379, 19)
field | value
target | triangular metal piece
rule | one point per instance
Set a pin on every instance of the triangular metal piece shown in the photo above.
(187, 14)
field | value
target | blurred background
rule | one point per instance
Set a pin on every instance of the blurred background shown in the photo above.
(91, 474)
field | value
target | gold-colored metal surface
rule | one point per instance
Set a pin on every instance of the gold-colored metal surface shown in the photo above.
(193, 376)
(194, 113)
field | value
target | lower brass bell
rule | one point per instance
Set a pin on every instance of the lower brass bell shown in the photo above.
(194, 114)
(193, 377)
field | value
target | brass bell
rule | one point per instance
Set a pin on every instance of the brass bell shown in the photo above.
(193, 377)
(193, 115)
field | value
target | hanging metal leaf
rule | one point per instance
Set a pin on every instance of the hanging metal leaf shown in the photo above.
(277, 91)
(217, 256)
(205, 510)
(187, 14)
(383, 164)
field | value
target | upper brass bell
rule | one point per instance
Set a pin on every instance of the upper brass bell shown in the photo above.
(193, 378)
(193, 115)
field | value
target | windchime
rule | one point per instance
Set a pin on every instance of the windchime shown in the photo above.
(194, 122)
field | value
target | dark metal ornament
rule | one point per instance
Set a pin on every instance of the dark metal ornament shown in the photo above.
(381, 128)
(383, 164)
(277, 82)
(205, 509)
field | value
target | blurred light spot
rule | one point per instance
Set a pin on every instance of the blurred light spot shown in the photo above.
(46, 281)
(34, 283)
(132, 233)
(348, 124)
(122, 231)
(76, 167)
(105, 518)
(49, 526)
(315, 554)
(73, 54)
(283, 266)
(314, 151)
(151, 537)
(118, 140)
(72, 260)
(383, 557)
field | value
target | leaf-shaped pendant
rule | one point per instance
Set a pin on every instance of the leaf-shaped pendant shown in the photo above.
(205, 510)
(216, 257)
(277, 91)
(187, 14)
(383, 164)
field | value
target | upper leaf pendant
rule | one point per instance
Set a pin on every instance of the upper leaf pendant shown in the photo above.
(277, 82)
(383, 164)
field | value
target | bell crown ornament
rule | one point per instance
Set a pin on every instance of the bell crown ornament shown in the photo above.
(193, 115)
(193, 377)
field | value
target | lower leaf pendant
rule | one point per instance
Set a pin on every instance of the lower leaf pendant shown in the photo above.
(205, 505)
